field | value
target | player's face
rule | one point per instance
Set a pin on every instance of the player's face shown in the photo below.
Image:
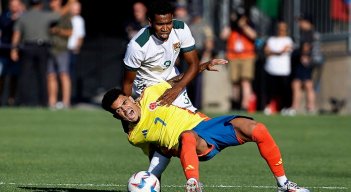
(126, 108)
(162, 25)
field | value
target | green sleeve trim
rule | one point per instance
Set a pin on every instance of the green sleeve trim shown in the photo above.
(178, 24)
(187, 49)
(144, 37)
(130, 68)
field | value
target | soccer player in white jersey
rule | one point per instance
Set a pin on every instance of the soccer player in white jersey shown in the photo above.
(151, 55)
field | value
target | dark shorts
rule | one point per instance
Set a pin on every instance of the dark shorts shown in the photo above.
(8, 67)
(303, 73)
(217, 132)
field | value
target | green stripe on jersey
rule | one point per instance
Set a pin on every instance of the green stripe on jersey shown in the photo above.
(144, 37)
(130, 68)
(178, 24)
(187, 49)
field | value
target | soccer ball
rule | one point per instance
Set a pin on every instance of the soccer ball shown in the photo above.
(143, 181)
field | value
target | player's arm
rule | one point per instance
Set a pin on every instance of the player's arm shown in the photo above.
(170, 95)
(209, 66)
(128, 79)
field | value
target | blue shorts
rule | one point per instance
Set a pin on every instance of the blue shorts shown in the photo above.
(219, 133)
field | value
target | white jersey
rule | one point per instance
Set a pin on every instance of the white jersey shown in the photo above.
(78, 31)
(154, 60)
(279, 64)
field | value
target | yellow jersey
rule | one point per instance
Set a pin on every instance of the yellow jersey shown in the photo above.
(161, 125)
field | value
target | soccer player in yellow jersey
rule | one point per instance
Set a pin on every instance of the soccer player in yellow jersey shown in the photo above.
(191, 136)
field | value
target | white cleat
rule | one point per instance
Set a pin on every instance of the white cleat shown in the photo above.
(291, 187)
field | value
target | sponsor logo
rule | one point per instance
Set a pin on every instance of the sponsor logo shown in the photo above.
(279, 162)
(144, 132)
(189, 167)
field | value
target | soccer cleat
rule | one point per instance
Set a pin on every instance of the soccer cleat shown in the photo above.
(192, 185)
(291, 187)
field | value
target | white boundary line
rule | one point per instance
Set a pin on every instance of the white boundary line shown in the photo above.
(167, 186)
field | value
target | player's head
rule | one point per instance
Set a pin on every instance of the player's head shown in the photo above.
(121, 106)
(160, 16)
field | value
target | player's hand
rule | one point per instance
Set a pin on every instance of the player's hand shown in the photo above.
(169, 96)
(214, 62)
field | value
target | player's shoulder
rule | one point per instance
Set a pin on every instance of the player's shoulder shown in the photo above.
(142, 37)
(178, 24)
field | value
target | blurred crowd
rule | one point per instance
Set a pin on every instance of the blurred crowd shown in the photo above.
(268, 69)
(39, 48)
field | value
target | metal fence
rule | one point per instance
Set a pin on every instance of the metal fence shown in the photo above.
(332, 18)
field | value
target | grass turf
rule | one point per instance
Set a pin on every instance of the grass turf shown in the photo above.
(86, 150)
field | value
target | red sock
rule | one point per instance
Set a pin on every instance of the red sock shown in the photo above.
(268, 149)
(188, 156)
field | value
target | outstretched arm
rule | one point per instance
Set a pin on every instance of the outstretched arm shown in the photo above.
(209, 66)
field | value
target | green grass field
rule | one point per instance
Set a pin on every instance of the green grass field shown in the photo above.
(86, 150)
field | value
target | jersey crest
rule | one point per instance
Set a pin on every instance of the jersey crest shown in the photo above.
(152, 106)
(176, 47)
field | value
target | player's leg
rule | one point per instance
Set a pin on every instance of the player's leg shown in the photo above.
(158, 163)
(188, 156)
(248, 130)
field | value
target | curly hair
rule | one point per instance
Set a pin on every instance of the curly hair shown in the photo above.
(159, 7)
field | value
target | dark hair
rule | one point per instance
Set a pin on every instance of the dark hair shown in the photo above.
(159, 7)
(109, 97)
(307, 17)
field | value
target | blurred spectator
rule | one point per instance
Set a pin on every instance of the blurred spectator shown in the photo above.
(75, 41)
(304, 60)
(31, 44)
(278, 69)
(181, 12)
(58, 66)
(9, 70)
(205, 40)
(241, 54)
(139, 21)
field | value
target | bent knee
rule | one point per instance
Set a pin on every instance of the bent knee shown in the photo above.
(244, 128)
(187, 136)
